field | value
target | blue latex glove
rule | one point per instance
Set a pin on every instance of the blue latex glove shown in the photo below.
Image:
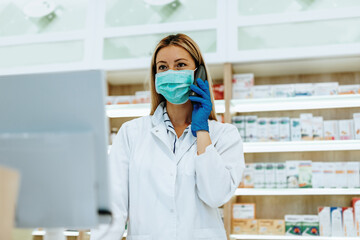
(202, 106)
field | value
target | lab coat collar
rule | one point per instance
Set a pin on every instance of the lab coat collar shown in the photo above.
(159, 130)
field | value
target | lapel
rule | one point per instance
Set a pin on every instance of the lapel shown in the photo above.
(186, 145)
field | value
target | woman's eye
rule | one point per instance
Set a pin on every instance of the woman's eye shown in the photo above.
(162, 67)
(180, 65)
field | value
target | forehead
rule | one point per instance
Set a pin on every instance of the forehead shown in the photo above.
(172, 53)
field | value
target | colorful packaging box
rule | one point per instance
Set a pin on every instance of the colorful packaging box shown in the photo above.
(349, 89)
(293, 225)
(218, 90)
(245, 226)
(239, 122)
(331, 130)
(274, 129)
(283, 90)
(284, 129)
(356, 207)
(270, 175)
(317, 175)
(310, 225)
(280, 175)
(356, 126)
(243, 211)
(251, 128)
(352, 174)
(349, 224)
(262, 130)
(271, 226)
(259, 175)
(262, 91)
(340, 175)
(304, 89)
(336, 222)
(324, 221)
(305, 174)
(295, 129)
(292, 174)
(306, 123)
(327, 88)
(318, 128)
(241, 85)
(346, 129)
(248, 176)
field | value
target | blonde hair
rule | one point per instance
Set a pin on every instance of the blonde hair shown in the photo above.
(184, 41)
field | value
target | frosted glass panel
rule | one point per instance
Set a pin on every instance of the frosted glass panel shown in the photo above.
(299, 34)
(256, 7)
(138, 12)
(44, 53)
(144, 45)
(68, 15)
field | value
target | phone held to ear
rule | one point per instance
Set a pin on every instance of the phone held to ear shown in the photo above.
(200, 73)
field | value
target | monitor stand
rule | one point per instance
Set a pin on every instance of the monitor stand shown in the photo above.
(54, 234)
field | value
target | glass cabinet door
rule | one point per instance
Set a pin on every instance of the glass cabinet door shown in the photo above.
(120, 13)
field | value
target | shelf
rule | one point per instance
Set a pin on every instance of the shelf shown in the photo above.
(294, 103)
(277, 237)
(296, 191)
(139, 110)
(301, 146)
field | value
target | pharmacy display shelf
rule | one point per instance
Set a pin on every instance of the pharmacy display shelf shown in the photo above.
(301, 146)
(139, 110)
(296, 191)
(294, 103)
(278, 237)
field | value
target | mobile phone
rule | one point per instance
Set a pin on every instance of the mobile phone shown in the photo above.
(200, 73)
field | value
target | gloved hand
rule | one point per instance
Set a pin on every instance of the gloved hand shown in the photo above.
(202, 106)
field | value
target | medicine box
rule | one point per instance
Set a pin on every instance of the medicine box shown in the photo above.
(352, 174)
(306, 123)
(244, 226)
(336, 222)
(327, 88)
(331, 130)
(262, 91)
(283, 90)
(348, 222)
(317, 175)
(293, 224)
(295, 129)
(346, 129)
(304, 89)
(271, 226)
(329, 175)
(324, 221)
(259, 175)
(318, 128)
(280, 175)
(248, 179)
(356, 207)
(270, 175)
(241, 85)
(239, 123)
(310, 225)
(349, 89)
(284, 129)
(274, 129)
(251, 128)
(262, 129)
(305, 174)
(340, 175)
(292, 174)
(356, 126)
(243, 211)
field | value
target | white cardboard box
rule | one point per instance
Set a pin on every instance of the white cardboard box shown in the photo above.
(244, 211)
(259, 175)
(239, 123)
(251, 128)
(262, 129)
(346, 129)
(274, 129)
(280, 175)
(317, 175)
(306, 122)
(340, 174)
(329, 175)
(241, 85)
(295, 129)
(284, 129)
(326, 88)
(262, 91)
(352, 174)
(325, 221)
(336, 222)
(318, 128)
(357, 125)
(331, 130)
(270, 179)
(292, 174)
(348, 221)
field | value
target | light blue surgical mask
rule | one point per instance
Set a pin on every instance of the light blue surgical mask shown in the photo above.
(174, 85)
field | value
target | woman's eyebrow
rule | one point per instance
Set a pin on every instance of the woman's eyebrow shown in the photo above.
(179, 59)
(161, 61)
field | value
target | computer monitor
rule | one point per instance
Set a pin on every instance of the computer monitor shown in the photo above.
(53, 130)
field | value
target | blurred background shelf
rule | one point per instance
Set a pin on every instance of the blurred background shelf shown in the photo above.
(295, 191)
(234, 236)
(294, 103)
(301, 146)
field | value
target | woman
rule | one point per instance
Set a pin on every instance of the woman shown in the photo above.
(170, 171)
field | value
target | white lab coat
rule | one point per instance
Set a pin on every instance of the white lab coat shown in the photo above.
(166, 196)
